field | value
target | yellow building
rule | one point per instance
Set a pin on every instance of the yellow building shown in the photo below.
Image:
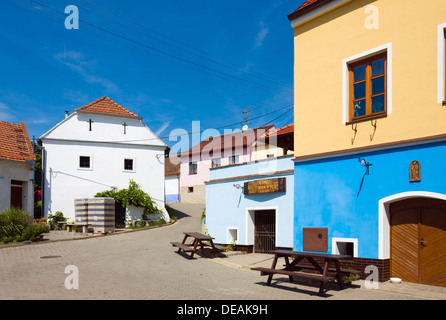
(370, 86)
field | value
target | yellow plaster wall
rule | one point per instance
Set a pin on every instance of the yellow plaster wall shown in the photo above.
(322, 44)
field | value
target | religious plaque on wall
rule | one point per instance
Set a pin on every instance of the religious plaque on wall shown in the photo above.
(265, 186)
(414, 171)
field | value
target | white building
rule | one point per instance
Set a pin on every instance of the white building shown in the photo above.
(16, 169)
(101, 146)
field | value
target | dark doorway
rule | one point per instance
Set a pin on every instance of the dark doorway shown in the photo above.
(264, 230)
(16, 194)
(119, 215)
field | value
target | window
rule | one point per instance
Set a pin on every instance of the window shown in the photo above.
(193, 167)
(84, 162)
(128, 164)
(368, 88)
(233, 159)
(190, 189)
(216, 163)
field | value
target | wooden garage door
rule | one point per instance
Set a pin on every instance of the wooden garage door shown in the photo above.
(418, 241)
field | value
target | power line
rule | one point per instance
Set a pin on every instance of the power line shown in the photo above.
(228, 63)
(165, 54)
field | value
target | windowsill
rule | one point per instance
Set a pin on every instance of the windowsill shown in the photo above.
(378, 116)
(192, 174)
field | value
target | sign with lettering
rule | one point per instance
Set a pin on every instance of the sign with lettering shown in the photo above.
(265, 186)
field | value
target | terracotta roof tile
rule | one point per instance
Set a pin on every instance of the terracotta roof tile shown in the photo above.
(280, 131)
(306, 7)
(172, 166)
(14, 142)
(107, 106)
(238, 139)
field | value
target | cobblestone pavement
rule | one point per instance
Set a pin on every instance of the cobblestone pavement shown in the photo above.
(144, 265)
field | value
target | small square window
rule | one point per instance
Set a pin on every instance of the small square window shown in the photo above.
(234, 159)
(193, 167)
(128, 164)
(190, 189)
(216, 163)
(84, 162)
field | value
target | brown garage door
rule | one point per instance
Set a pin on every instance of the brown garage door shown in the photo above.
(418, 241)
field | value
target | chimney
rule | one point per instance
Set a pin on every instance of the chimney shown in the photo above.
(66, 114)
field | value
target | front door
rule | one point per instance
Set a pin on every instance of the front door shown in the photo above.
(16, 194)
(265, 231)
(418, 241)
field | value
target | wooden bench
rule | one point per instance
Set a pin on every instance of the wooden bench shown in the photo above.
(182, 246)
(290, 274)
(200, 241)
(331, 270)
(292, 268)
(84, 226)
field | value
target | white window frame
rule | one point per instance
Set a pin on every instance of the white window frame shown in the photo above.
(345, 77)
(441, 56)
(334, 245)
(133, 167)
(218, 164)
(229, 236)
(235, 157)
(79, 160)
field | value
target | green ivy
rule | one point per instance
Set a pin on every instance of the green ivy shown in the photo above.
(134, 196)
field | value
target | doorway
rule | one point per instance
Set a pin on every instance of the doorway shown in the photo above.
(264, 230)
(16, 194)
(418, 241)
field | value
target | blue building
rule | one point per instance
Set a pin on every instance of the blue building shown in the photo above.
(251, 204)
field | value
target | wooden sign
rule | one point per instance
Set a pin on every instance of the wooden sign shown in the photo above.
(265, 186)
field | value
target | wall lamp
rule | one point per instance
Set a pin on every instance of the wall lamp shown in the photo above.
(237, 186)
(365, 164)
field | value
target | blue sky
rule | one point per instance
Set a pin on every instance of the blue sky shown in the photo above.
(171, 62)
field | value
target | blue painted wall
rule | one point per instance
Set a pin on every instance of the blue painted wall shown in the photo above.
(326, 191)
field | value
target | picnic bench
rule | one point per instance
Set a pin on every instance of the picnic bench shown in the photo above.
(198, 244)
(293, 269)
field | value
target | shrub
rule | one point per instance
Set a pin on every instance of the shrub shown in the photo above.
(55, 218)
(13, 221)
(32, 232)
(133, 195)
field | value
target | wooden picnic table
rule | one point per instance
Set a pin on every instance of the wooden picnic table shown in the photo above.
(294, 269)
(199, 242)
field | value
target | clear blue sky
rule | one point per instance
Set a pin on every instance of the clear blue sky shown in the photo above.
(244, 58)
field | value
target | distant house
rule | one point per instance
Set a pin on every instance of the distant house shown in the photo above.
(101, 146)
(16, 169)
(275, 142)
(172, 179)
(217, 151)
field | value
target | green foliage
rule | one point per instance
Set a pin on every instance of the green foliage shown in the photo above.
(12, 222)
(55, 218)
(134, 196)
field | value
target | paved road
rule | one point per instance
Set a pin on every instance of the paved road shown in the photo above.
(143, 265)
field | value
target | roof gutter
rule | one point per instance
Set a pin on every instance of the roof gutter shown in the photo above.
(314, 10)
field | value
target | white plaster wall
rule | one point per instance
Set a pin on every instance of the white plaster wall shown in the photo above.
(12, 170)
(107, 146)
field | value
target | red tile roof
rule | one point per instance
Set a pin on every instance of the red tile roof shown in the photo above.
(280, 131)
(14, 142)
(237, 139)
(107, 106)
(306, 7)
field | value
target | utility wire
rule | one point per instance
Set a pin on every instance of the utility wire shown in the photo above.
(165, 54)
(228, 63)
